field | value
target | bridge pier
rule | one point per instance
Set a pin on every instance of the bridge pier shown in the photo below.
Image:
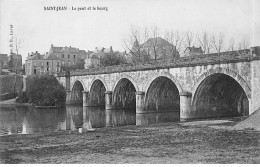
(185, 105)
(68, 97)
(108, 100)
(86, 98)
(139, 106)
(139, 102)
(109, 118)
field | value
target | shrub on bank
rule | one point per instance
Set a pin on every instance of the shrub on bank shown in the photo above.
(10, 85)
(22, 97)
(45, 90)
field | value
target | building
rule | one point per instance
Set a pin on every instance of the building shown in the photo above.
(4, 60)
(192, 51)
(15, 61)
(69, 55)
(92, 61)
(154, 48)
(103, 57)
(36, 63)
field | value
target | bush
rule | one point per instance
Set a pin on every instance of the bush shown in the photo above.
(8, 85)
(22, 97)
(45, 90)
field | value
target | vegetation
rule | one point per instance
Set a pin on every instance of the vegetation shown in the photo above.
(78, 65)
(44, 90)
(208, 41)
(11, 85)
(111, 59)
(22, 97)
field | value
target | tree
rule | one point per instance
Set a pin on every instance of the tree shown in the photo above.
(153, 43)
(17, 44)
(231, 45)
(45, 90)
(111, 59)
(217, 42)
(243, 44)
(189, 39)
(134, 41)
(204, 41)
(176, 39)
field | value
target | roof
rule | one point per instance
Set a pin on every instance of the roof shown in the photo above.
(194, 49)
(35, 56)
(51, 56)
(93, 56)
(159, 42)
(3, 57)
(82, 52)
(70, 49)
(56, 49)
(38, 56)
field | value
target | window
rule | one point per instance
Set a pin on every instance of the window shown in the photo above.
(62, 55)
(47, 63)
(63, 62)
(69, 63)
(58, 63)
(34, 71)
(68, 56)
(74, 56)
(47, 68)
(73, 62)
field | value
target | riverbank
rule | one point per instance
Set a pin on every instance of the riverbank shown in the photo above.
(211, 141)
(12, 103)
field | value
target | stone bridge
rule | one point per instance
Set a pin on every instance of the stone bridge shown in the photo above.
(215, 85)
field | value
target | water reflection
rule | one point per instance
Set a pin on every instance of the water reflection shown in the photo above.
(96, 117)
(28, 120)
(157, 117)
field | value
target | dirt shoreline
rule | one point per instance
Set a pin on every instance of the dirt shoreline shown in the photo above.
(189, 142)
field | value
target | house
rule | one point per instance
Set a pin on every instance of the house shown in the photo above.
(192, 51)
(92, 61)
(154, 48)
(16, 61)
(69, 55)
(4, 60)
(36, 63)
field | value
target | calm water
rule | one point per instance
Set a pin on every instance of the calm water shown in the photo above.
(28, 120)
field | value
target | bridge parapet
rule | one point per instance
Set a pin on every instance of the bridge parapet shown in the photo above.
(246, 55)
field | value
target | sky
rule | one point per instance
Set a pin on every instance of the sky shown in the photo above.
(87, 29)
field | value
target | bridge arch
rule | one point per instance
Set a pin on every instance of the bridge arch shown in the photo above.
(128, 77)
(220, 92)
(100, 79)
(78, 80)
(76, 92)
(162, 94)
(97, 93)
(225, 71)
(163, 74)
(124, 94)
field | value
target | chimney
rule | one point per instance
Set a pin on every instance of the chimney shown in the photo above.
(51, 45)
(111, 49)
(46, 53)
(36, 52)
(28, 54)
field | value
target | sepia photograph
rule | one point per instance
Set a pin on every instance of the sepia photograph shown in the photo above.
(129, 82)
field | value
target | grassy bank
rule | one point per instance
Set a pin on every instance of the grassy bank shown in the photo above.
(189, 142)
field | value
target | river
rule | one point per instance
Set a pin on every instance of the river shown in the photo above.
(30, 120)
